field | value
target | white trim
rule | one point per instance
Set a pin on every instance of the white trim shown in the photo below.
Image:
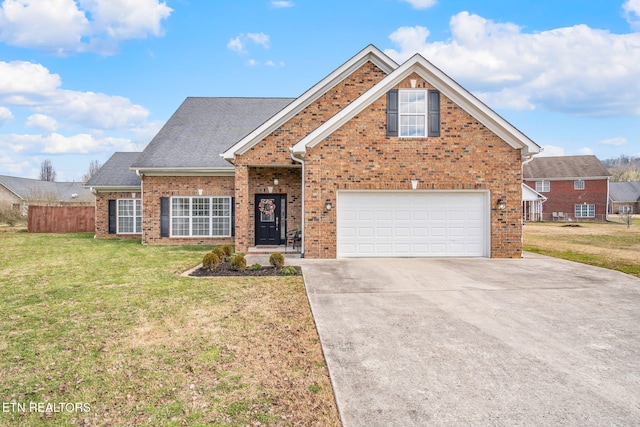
(136, 202)
(447, 86)
(114, 189)
(230, 171)
(370, 53)
(190, 217)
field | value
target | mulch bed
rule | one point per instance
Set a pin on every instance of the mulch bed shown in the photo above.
(224, 269)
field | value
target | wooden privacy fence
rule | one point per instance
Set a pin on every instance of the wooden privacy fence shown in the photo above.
(61, 219)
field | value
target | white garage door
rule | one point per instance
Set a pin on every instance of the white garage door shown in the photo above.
(412, 224)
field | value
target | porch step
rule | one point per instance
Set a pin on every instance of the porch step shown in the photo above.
(261, 250)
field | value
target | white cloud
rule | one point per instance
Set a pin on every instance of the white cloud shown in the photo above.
(253, 62)
(33, 86)
(239, 43)
(68, 26)
(5, 115)
(421, 4)
(632, 13)
(56, 143)
(576, 70)
(585, 151)
(617, 141)
(551, 151)
(43, 122)
(282, 4)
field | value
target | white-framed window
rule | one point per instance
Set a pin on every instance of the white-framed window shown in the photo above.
(129, 214)
(413, 112)
(578, 184)
(585, 211)
(626, 209)
(200, 216)
(543, 186)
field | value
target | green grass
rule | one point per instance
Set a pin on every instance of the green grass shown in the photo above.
(111, 323)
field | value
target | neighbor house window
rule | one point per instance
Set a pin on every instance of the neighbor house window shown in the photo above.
(578, 185)
(585, 211)
(413, 112)
(626, 209)
(201, 216)
(543, 186)
(129, 216)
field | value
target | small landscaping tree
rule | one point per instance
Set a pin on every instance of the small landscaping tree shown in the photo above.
(239, 262)
(276, 260)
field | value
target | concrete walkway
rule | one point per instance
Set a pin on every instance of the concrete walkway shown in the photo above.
(535, 341)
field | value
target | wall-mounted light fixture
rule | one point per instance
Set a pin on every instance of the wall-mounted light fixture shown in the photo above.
(199, 191)
(133, 195)
(414, 184)
(413, 83)
(501, 203)
(270, 189)
(275, 182)
(328, 205)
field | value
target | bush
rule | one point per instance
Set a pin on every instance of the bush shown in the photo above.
(230, 257)
(228, 250)
(239, 262)
(254, 267)
(210, 261)
(289, 271)
(277, 260)
(220, 252)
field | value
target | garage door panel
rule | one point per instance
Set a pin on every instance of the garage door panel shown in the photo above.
(386, 224)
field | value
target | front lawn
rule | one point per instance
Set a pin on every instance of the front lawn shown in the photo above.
(110, 325)
(609, 245)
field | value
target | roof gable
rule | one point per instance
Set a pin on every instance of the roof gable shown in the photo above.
(565, 167)
(370, 53)
(447, 86)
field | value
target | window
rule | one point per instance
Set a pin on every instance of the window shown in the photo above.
(585, 211)
(578, 185)
(413, 112)
(543, 186)
(626, 209)
(129, 219)
(201, 216)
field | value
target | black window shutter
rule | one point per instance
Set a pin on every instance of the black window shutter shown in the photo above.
(434, 113)
(233, 217)
(392, 112)
(112, 217)
(164, 217)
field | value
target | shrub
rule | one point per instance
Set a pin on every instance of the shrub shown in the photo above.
(254, 267)
(210, 261)
(277, 260)
(220, 252)
(239, 262)
(228, 249)
(289, 271)
(230, 257)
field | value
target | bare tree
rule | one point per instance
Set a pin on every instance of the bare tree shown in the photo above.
(93, 168)
(47, 173)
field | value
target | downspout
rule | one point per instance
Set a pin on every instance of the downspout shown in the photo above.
(301, 161)
(141, 175)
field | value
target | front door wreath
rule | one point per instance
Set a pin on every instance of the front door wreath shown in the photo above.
(267, 206)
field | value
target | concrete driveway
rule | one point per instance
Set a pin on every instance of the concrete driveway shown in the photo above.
(533, 341)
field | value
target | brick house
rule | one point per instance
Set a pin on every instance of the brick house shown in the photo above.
(377, 159)
(624, 197)
(576, 187)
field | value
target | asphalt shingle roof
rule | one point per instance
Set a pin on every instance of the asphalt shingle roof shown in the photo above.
(203, 128)
(624, 191)
(34, 189)
(564, 167)
(116, 173)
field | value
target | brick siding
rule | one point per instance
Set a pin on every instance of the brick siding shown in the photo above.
(562, 197)
(102, 214)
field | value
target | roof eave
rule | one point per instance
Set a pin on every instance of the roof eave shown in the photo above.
(186, 171)
(114, 188)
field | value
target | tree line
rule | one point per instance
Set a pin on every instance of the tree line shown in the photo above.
(48, 173)
(623, 168)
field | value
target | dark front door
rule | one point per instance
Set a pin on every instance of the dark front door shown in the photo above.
(270, 211)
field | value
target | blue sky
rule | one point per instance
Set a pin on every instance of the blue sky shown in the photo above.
(80, 79)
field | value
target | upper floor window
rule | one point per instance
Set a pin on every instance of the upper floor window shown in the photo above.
(413, 112)
(543, 186)
(578, 184)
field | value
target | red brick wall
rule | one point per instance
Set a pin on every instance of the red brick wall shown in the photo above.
(359, 155)
(102, 214)
(274, 149)
(562, 197)
(155, 187)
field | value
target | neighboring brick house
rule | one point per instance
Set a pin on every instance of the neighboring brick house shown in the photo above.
(576, 187)
(18, 193)
(377, 159)
(624, 197)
